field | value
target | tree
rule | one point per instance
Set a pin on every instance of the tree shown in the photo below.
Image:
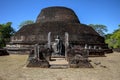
(101, 29)
(6, 31)
(119, 25)
(25, 23)
(114, 39)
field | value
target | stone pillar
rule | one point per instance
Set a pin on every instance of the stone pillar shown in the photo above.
(49, 40)
(90, 47)
(85, 46)
(95, 47)
(36, 51)
(66, 43)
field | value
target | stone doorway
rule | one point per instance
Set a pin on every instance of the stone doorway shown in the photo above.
(58, 49)
(58, 46)
(58, 58)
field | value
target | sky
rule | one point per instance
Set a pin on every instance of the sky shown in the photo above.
(106, 12)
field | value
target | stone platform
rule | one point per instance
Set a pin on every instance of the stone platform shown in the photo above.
(58, 63)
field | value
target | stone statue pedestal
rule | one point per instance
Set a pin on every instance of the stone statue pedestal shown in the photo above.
(39, 57)
(38, 63)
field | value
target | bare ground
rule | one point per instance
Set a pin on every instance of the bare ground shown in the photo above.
(12, 67)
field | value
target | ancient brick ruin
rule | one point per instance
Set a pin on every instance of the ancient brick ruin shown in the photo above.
(58, 29)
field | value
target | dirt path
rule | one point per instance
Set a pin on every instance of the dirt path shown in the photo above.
(105, 68)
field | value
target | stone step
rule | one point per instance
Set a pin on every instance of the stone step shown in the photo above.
(59, 66)
(58, 56)
(58, 61)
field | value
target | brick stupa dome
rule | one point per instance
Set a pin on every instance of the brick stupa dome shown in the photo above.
(57, 21)
(52, 14)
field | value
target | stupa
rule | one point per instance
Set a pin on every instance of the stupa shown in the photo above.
(57, 32)
(54, 25)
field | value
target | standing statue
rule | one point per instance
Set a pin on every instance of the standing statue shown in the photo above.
(57, 46)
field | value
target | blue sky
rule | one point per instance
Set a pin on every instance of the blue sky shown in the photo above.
(106, 12)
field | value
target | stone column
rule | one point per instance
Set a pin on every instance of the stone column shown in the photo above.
(66, 43)
(49, 40)
(35, 51)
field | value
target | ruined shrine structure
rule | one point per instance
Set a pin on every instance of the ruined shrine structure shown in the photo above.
(59, 30)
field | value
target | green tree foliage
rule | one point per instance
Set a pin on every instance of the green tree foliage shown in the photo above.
(101, 29)
(119, 25)
(6, 31)
(25, 23)
(113, 39)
